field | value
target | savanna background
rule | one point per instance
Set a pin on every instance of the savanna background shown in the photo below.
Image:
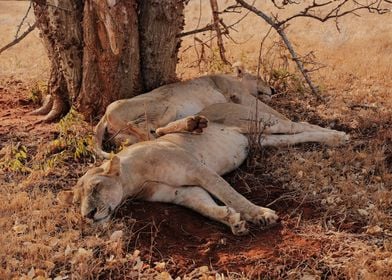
(335, 203)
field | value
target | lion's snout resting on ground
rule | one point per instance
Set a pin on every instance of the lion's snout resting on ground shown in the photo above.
(186, 169)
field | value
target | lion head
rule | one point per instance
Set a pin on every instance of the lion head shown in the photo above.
(255, 85)
(100, 192)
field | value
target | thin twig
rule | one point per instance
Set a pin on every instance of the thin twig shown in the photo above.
(216, 21)
(17, 40)
(298, 61)
(335, 12)
(23, 20)
(259, 62)
(275, 24)
(208, 27)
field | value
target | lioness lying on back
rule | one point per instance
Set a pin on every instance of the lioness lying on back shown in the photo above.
(136, 119)
(185, 168)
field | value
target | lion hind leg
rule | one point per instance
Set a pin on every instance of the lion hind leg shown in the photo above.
(199, 200)
(333, 138)
(289, 127)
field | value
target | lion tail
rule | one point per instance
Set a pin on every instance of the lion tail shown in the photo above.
(99, 133)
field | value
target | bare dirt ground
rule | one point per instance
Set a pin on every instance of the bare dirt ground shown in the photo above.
(335, 203)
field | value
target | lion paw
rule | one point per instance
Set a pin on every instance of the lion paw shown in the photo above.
(240, 228)
(196, 124)
(339, 138)
(233, 219)
(263, 217)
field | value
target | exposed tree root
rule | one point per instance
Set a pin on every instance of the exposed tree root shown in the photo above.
(54, 108)
(59, 109)
(47, 105)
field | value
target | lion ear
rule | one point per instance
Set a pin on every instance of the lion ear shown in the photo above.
(114, 167)
(66, 197)
(69, 197)
(77, 195)
(238, 69)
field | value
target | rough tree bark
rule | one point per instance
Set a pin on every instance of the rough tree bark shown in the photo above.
(62, 36)
(160, 23)
(111, 61)
(102, 51)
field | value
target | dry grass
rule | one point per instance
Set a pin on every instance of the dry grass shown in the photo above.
(27, 60)
(348, 189)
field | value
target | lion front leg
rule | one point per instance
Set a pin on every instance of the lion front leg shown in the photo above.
(194, 124)
(197, 199)
(217, 186)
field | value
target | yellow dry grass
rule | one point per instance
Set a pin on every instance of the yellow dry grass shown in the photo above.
(26, 60)
(43, 236)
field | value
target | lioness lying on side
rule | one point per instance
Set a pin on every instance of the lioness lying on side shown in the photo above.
(185, 169)
(136, 119)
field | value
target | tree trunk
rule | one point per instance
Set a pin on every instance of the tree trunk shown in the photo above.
(61, 31)
(102, 51)
(160, 23)
(111, 63)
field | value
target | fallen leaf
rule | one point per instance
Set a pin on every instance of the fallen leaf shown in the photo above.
(164, 276)
(31, 273)
(363, 212)
(19, 229)
(117, 235)
(67, 251)
(374, 230)
(160, 266)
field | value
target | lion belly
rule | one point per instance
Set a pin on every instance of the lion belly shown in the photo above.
(189, 97)
(221, 149)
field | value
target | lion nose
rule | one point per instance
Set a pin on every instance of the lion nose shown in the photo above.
(90, 215)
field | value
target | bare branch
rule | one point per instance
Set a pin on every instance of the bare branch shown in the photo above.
(261, 14)
(274, 24)
(298, 61)
(208, 27)
(336, 11)
(23, 20)
(259, 61)
(216, 21)
(20, 38)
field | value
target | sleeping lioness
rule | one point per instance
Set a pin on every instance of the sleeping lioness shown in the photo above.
(136, 119)
(186, 169)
